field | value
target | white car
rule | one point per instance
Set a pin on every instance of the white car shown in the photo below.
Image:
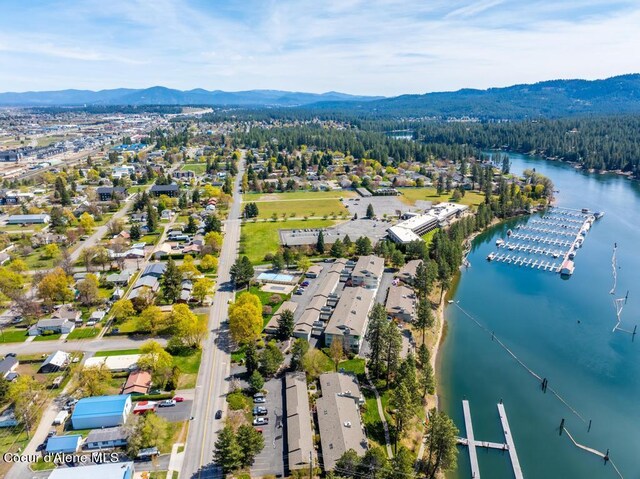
(260, 421)
(167, 403)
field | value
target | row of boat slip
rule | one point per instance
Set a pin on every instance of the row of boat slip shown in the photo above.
(559, 233)
(518, 260)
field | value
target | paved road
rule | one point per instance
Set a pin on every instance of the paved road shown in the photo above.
(213, 384)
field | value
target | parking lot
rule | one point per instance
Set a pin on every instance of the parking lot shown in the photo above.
(271, 460)
(178, 413)
(382, 205)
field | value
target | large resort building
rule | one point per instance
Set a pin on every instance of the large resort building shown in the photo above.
(412, 228)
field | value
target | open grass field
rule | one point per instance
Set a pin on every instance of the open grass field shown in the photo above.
(259, 239)
(411, 195)
(301, 208)
(34, 260)
(298, 195)
(48, 337)
(197, 168)
(11, 335)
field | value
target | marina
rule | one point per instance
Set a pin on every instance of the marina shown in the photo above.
(559, 233)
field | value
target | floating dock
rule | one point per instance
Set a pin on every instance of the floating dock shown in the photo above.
(471, 443)
(549, 242)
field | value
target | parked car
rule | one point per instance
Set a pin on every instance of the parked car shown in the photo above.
(218, 414)
(299, 291)
(260, 421)
(167, 403)
(259, 399)
(260, 411)
(305, 284)
(178, 399)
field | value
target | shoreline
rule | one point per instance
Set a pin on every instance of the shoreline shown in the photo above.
(440, 317)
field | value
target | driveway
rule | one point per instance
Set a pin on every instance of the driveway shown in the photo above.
(271, 460)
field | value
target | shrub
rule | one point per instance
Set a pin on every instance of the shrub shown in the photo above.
(237, 401)
(266, 310)
(274, 299)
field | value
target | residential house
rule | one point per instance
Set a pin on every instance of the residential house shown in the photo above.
(69, 313)
(350, 318)
(106, 438)
(54, 325)
(55, 362)
(8, 418)
(299, 425)
(154, 269)
(120, 279)
(339, 422)
(107, 193)
(272, 325)
(138, 382)
(8, 365)
(401, 303)
(368, 272)
(171, 190)
(407, 273)
(64, 444)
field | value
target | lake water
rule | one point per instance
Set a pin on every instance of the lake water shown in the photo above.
(562, 330)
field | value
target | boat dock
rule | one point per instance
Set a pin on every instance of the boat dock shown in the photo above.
(559, 233)
(515, 463)
(471, 443)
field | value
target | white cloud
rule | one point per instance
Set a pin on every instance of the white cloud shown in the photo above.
(372, 47)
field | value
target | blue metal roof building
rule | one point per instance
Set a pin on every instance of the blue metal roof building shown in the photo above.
(64, 444)
(101, 411)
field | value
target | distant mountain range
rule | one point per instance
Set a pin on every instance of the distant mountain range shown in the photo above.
(166, 96)
(548, 99)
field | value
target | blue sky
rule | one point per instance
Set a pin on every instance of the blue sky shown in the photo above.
(383, 47)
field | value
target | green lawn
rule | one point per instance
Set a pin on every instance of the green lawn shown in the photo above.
(117, 352)
(302, 207)
(355, 366)
(137, 188)
(411, 195)
(85, 332)
(34, 261)
(19, 228)
(371, 419)
(41, 465)
(197, 168)
(259, 239)
(189, 366)
(48, 337)
(13, 335)
(298, 195)
(428, 237)
(12, 439)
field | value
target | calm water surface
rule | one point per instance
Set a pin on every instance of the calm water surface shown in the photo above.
(562, 329)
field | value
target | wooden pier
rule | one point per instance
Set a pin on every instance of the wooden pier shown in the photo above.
(471, 443)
